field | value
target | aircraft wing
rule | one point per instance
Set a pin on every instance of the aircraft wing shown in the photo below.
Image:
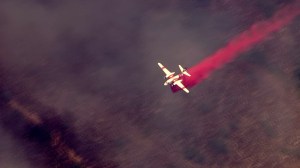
(166, 71)
(178, 83)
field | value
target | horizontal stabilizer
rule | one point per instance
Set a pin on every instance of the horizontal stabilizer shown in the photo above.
(184, 71)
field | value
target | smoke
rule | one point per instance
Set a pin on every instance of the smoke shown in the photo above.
(241, 43)
(96, 63)
(11, 155)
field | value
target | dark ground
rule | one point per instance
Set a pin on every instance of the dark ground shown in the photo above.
(80, 86)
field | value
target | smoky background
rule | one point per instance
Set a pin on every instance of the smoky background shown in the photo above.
(95, 64)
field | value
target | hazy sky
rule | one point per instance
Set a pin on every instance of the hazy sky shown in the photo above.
(95, 60)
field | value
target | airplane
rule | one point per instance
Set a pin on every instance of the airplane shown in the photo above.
(172, 79)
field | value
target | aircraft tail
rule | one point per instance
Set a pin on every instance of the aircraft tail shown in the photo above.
(184, 71)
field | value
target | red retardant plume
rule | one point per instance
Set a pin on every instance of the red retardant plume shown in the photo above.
(241, 43)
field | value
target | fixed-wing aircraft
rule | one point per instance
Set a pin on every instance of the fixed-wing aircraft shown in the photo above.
(172, 79)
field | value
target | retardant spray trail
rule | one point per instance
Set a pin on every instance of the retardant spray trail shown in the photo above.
(241, 43)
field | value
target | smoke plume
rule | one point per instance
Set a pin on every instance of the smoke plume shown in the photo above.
(241, 43)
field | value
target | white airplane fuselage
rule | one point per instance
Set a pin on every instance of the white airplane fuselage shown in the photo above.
(171, 79)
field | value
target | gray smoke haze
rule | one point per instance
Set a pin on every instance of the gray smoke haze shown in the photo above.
(89, 50)
(11, 153)
(96, 62)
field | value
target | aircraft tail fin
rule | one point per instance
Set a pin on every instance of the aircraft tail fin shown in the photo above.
(184, 71)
